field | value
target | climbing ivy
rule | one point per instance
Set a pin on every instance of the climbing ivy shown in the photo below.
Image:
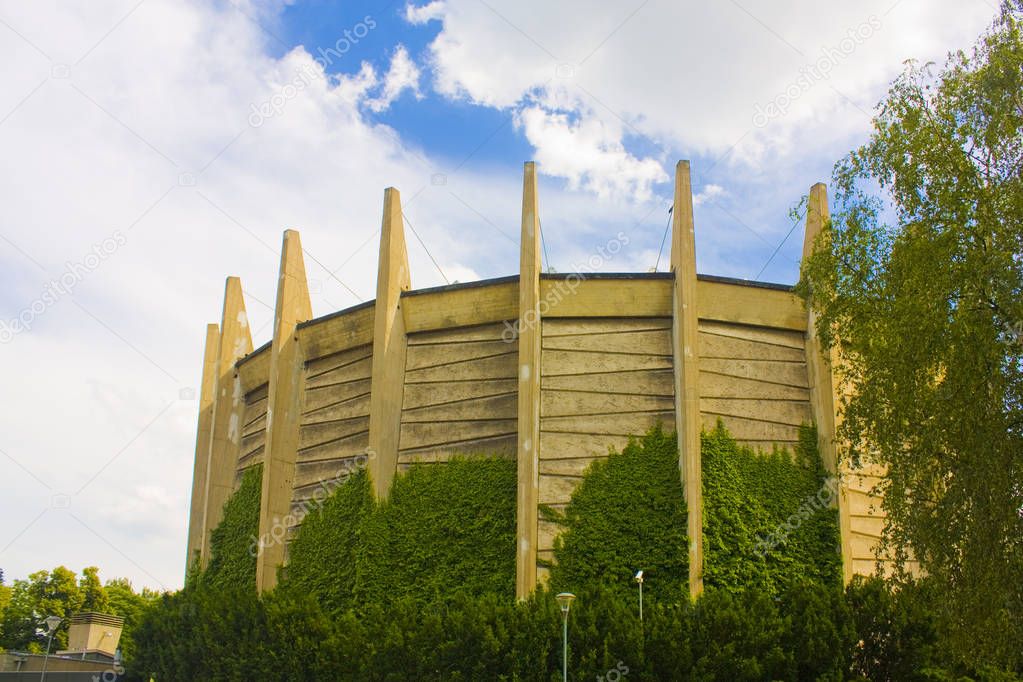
(768, 521)
(769, 518)
(322, 557)
(628, 513)
(443, 530)
(232, 560)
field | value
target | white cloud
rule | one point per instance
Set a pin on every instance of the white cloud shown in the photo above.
(402, 75)
(709, 193)
(691, 74)
(425, 13)
(589, 154)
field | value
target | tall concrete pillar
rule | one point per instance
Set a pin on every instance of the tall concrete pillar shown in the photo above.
(820, 366)
(235, 343)
(389, 348)
(203, 437)
(529, 388)
(687, 368)
(284, 411)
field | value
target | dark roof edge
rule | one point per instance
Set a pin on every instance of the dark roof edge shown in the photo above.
(254, 353)
(458, 286)
(337, 313)
(605, 275)
(745, 282)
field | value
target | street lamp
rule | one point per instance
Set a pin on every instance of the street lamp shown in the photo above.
(639, 579)
(565, 602)
(52, 623)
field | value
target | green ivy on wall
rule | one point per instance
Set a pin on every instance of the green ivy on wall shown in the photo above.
(768, 521)
(628, 513)
(322, 557)
(444, 530)
(232, 559)
(769, 518)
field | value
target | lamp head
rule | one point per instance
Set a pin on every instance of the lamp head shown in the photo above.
(52, 623)
(565, 601)
(639, 576)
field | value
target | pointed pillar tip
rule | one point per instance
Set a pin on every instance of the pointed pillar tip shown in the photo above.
(233, 289)
(290, 240)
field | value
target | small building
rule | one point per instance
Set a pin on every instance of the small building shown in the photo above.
(93, 636)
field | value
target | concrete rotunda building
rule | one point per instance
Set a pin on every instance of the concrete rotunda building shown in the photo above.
(548, 369)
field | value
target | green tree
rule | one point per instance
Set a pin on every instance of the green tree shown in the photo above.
(45, 593)
(918, 286)
(5, 602)
(94, 597)
(123, 601)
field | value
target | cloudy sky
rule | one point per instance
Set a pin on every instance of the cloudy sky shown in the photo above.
(149, 148)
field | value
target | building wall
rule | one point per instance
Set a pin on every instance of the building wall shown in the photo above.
(455, 377)
(253, 430)
(335, 418)
(754, 379)
(602, 381)
(460, 395)
(603, 378)
(253, 371)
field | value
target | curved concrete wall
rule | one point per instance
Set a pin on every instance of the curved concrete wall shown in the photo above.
(454, 379)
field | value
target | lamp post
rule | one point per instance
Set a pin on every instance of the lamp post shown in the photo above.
(565, 602)
(52, 623)
(639, 579)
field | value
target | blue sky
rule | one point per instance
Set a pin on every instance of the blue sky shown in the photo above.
(138, 169)
(456, 132)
